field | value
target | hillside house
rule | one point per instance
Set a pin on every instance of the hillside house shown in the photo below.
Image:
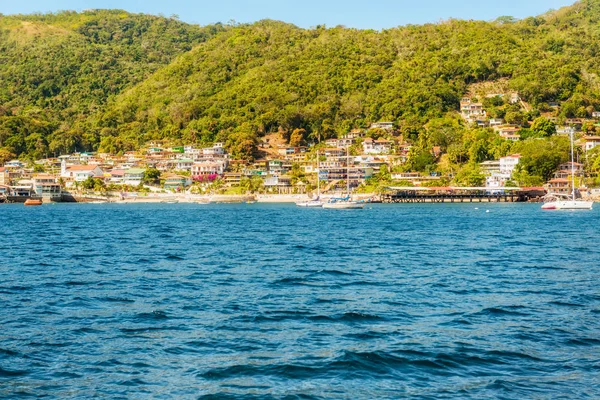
(489, 167)
(379, 146)
(232, 178)
(496, 122)
(388, 126)
(184, 164)
(509, 132)
(590, 142)
(334, 152)
(14, 164)
(471, 111)
(565, 170)
(339, 143)
(216, 150)
(354, 134)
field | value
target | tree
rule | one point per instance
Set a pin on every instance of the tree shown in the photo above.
(470, 176)
(6, 155)
(541, 157)
(517, 118)
(298, 138)
(543, 127)
(151, 176)
(88, 183)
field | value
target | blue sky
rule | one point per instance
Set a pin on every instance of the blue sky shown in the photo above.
(374, 14)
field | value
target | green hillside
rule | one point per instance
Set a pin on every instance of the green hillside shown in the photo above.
(57, 69)
(110, 80)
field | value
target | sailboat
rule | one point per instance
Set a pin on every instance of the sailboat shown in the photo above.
(565, 202)
(345, 203)
(316, 202)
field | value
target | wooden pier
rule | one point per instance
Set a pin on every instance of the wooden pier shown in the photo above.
(448, 198)
(455, 195)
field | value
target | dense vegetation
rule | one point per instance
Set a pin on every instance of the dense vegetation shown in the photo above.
(57, 70)
(111, 81)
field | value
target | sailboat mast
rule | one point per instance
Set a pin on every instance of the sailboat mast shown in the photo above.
(572, 165)
(347, 171)
(318, 177)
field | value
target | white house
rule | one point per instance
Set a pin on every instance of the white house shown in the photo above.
(471, 110)
(208, 168)
(216, 150)
(509, 163)
(14, 164)
(590, 142)
(499, 172)
(80, 173)
(496, 122)
(133, 176)
(388, 126)
(380, 146)
(184, 164)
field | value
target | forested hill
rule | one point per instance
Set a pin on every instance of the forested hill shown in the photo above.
(58, 69)
(110, 80)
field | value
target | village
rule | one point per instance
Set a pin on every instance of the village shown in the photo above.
(160, 171)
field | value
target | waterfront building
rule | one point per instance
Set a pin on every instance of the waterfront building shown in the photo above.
(509, 163)
(176, 182)
(45, 185)
(207, 168)
(133, 176)
(232, 178)
(559, 185)
(4, 177)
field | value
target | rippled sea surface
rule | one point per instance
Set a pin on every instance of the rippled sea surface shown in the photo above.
(272, 301)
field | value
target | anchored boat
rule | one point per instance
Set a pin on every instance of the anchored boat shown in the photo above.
(555, 201)
(33, 202)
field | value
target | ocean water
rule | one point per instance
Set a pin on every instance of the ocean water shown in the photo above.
(430, 301)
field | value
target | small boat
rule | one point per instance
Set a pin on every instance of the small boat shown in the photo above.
(344, 205)
(553, 201)
(33, 202)
(314, 203)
